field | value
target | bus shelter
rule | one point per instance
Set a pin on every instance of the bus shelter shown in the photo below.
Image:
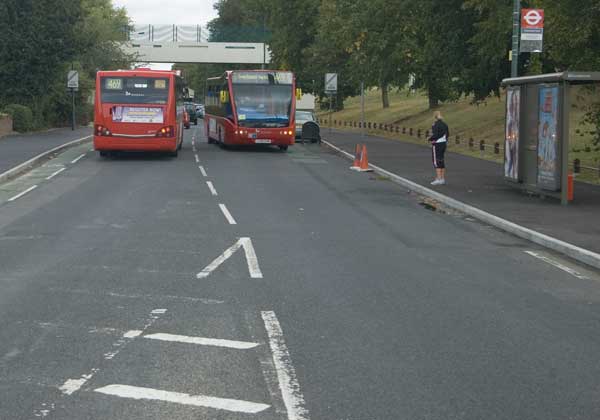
(536, 149)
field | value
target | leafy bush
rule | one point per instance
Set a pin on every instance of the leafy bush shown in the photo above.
(22, 117)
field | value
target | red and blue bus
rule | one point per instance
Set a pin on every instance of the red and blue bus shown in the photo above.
(248, 107)
(138, 110)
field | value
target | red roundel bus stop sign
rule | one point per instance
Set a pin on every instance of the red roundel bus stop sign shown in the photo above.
(532, 30)
(532, 18)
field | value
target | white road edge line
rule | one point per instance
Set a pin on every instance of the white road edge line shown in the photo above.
(21, 194)
(227, 215)
(202, 341)
(56, 173)
(139, 393)
(203, 171)
(251, 259)
(211, 187)
(78, 158)
(286, 374)
(558, 265)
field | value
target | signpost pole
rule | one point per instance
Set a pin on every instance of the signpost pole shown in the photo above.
(515, 38)
(73, 109)
(330, 111)
(362, 108)
(564, 143)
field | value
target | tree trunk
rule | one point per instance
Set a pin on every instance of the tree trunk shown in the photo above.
(433, 102)
(385, 98)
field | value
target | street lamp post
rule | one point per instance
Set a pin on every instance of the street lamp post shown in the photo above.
(514, 71)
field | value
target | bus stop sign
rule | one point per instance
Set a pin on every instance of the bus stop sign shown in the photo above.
(532, 30)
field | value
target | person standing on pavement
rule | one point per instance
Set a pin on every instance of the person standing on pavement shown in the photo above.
(439, 138)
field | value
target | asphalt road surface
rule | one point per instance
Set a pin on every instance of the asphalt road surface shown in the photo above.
(256, 284)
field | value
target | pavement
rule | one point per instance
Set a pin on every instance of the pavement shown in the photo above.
(480, 183)
(254, 284)
(18, 148)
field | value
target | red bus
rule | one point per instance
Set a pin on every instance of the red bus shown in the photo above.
(138, 110)
(247, 107)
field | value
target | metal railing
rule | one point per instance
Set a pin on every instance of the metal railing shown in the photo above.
(486, 149)
(142, 33)
(168, 33)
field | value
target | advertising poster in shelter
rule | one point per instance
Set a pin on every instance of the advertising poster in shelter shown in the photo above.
(548, 141)
(511, 137)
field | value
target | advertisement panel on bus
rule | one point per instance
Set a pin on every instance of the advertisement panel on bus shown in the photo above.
(138, 110)
(249, 107)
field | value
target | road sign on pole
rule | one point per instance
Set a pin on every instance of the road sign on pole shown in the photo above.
(532, 30)
(331, 83)
(73, 80)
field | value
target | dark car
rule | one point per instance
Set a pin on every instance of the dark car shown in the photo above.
(301, 118)
(191, 110)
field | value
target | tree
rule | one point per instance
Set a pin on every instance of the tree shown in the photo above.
(441, 30)
(37, 37)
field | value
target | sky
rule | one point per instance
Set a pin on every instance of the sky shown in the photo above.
(180, 12)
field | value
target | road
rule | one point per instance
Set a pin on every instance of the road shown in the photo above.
(256, 284)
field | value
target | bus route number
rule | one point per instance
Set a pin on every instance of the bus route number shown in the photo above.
(114, 84)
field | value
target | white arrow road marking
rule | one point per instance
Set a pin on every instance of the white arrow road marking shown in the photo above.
(139, 393)
(558, 265)
(286, 374)
(55, 173)
(215, 342)
(203, 171)
(211, 187)
(21, 194)
(251, 259)
(227, 215)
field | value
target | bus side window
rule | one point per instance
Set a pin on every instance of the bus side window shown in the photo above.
(227, 108)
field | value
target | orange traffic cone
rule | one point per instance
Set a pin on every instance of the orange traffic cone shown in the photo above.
(356, 164)
(364, 160)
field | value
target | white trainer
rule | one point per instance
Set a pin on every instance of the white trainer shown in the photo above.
(436, 182)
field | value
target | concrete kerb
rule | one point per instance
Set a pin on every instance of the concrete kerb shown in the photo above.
(580, 254)
(37, 160)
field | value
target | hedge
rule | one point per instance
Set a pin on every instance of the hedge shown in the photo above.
(22, 117)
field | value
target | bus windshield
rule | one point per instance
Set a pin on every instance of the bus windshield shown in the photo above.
(134, 90)
(263, 105)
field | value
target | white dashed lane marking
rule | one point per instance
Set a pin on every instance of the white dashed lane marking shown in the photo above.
(203, 171)
(56, 173)
(21, 194)
(211, 187)
(227, 215)
(78, 158)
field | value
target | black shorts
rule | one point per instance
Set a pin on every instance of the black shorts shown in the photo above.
(438, 150)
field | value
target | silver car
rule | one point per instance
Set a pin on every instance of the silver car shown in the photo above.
(301, 118)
